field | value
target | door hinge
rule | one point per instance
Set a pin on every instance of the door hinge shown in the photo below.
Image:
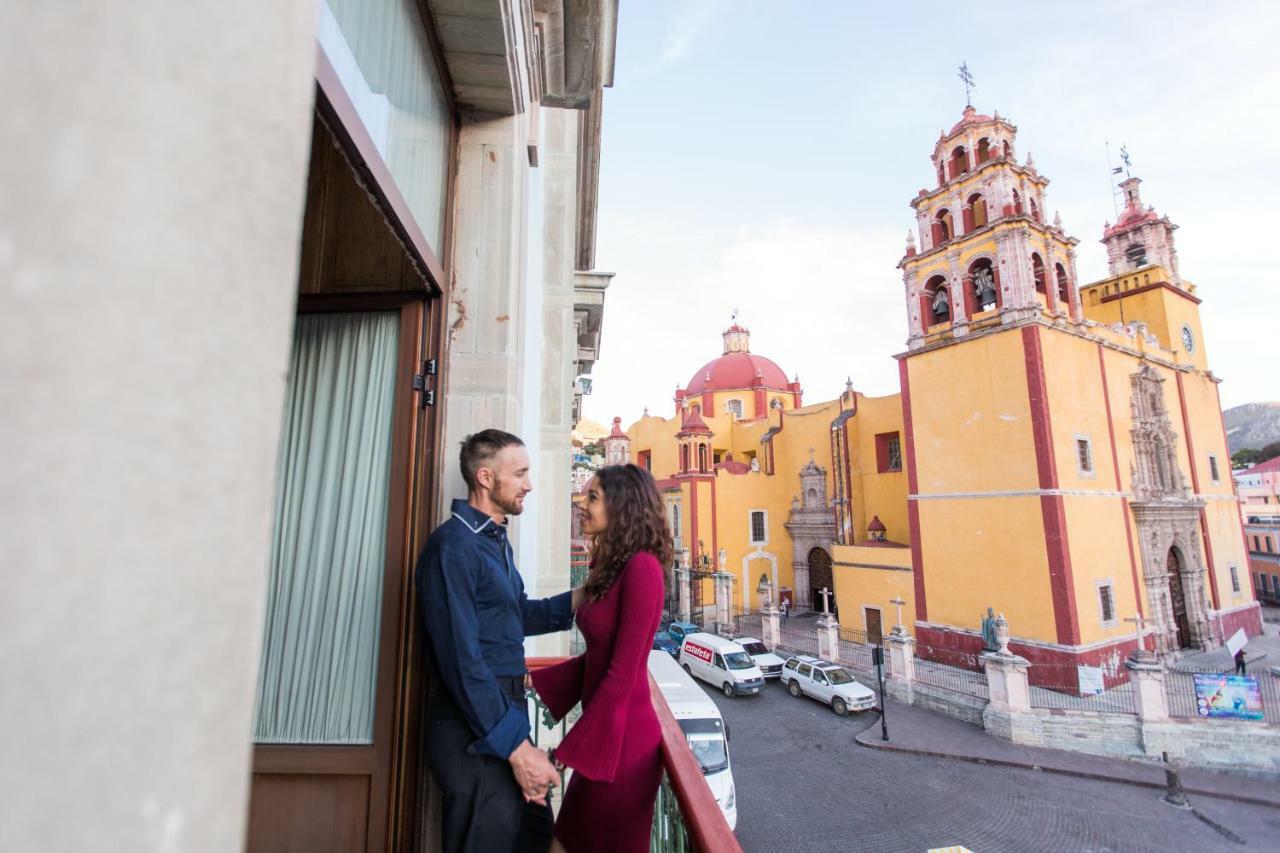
(420, 384)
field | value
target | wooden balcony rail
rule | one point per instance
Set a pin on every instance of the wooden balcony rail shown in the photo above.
(687, 816)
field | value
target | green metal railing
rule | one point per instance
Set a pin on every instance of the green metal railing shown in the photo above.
(668, 834)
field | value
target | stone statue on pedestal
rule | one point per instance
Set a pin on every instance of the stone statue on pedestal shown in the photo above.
(990, 642)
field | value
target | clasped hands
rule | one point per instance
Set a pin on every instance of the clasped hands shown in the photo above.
(534, 772)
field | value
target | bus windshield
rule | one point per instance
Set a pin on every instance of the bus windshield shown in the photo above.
(706, 739)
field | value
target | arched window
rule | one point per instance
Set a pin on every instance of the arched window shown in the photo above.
(1037, 272)
(1064, 284)
(734, 407)
(937, 302)
(684, 457)
(984, 150)
(1137, 255)
(675, 520)
(702, 458)
(942, 174)
(1017, 202)
(959, 161)
(1008, 152)
(1035, 211)
(942, 227)
(975, 212)
(984, 285)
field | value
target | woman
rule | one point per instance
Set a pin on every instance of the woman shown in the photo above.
(613, 748)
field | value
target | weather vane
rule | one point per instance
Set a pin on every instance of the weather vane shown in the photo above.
(1124, 158)
(733, 315)
(968, 82)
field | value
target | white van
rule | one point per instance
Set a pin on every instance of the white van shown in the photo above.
(722, 663)
(703, 727)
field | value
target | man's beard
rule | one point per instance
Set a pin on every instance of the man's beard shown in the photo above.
(509, 504)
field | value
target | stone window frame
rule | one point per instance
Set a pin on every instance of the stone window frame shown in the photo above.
(751, 531)
(1109, 585)
(1215, 470)
(1092, 471)
(1234, 571)
(729, 408)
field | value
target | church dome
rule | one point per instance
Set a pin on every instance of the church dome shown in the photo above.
(738, 368)
(971, 116)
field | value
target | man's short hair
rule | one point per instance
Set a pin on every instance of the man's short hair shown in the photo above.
(480, 448)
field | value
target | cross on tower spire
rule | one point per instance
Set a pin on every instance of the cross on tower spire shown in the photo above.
(967, 77)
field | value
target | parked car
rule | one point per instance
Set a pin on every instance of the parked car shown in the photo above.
(664, 642)
(722, 663)
(703, 727)
(769, 663)
(829, 683)
(680, 630)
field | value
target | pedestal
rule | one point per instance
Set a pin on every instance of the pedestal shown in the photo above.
(1146, 674)
(1007, 686)
(724, 598)
(685, 593)
(770, 627)
(828, 637)
(901, 647)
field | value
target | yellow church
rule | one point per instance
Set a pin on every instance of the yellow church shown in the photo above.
(1057, 451)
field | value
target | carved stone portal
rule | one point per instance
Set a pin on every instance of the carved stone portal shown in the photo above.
(812, 525)
(1168, 521)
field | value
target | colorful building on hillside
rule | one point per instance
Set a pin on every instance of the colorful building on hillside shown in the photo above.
(1259, 489)
(1057, 452)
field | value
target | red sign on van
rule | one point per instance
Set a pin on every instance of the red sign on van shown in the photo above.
(700, 652)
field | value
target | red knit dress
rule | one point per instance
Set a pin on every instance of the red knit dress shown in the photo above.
(613, 748)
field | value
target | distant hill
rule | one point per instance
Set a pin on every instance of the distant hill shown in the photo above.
(1252, 425)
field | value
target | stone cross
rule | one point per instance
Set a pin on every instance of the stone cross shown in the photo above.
(1138, 622)
(825, 593)
(898, 602)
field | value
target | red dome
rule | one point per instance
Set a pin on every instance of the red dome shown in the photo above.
(738, 370)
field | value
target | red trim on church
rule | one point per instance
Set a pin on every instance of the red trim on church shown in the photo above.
(1195, 487)
(913, 507)
(1115, 467)
(1052, 509)
(1057, 670)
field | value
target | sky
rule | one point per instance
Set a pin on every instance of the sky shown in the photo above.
(760, 155)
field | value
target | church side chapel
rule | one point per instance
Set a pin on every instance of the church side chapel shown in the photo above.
(1056, 453)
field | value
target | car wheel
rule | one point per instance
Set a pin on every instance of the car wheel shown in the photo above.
(728, 689)
(793, 687)
(837, 705)
(686, 669)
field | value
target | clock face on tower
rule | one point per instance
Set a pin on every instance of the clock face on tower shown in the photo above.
(1188, 339)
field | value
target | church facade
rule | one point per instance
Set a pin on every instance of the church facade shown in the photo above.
(1056, 453)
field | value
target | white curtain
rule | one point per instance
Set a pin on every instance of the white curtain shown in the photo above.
(328, 550)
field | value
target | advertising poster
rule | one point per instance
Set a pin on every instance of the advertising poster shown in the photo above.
(1091, 683)
(1233, 697)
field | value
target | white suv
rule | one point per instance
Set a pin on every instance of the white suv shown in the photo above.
(827, 682)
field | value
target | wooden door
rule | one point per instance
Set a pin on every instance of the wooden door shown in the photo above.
(820, 578)
(1178, 599)
(318, 797)
(874, 631)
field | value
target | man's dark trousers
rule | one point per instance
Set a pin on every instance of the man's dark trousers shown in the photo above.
(484, 810)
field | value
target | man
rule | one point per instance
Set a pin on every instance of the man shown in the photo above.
(495, 782)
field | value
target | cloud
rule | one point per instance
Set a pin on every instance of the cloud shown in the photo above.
(823, 302)
(694, 17)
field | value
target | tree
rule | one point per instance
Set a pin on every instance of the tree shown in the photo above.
(1270, 451)
(1245, 457)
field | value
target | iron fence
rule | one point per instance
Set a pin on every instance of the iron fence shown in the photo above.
(799, 636)
(746, 623)
(856, 650)
(1060, 686)
(953, 678)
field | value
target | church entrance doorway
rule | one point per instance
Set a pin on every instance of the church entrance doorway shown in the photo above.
(820, 578)
(1178, 599)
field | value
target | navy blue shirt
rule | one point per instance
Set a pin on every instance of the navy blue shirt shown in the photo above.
(476, 617)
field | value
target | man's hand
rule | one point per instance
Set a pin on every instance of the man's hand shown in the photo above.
(534, 773)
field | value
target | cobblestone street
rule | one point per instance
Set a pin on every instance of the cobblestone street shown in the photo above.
(803, 784)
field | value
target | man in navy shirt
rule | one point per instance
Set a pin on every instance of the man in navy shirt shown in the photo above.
(495, 782)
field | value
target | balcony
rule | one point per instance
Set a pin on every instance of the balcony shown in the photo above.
(686, 817)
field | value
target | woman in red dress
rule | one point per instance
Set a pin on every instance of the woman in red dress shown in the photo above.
(613, 748)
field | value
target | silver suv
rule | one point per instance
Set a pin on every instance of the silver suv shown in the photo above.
(829, 683)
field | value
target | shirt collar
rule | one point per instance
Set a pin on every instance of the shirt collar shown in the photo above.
(477, 521)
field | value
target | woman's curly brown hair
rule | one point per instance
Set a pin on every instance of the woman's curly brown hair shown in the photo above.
(636, 521)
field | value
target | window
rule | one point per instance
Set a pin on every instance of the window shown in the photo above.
(675, 520)
(717, 662)
(759, 530)
(734, 407)
(805, 669)
(1262, 583)
(888, 452)
(1106, 603)
(819, 676)
(1213, 468)
(1084, 455)
(1235, 578)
